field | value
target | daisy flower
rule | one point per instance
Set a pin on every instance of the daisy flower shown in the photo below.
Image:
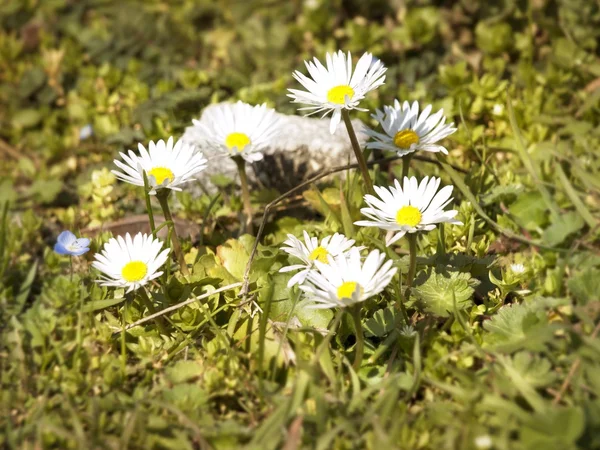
(347, 280)
(236, 129)
(168, 166)
(68, 244)
(311, 250)
(407, 131)
(408, 209)
(336, 87)
(130, 262)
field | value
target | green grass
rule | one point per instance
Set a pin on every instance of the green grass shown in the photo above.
(478, 357)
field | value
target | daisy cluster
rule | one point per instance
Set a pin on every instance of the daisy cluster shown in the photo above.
(332, 271)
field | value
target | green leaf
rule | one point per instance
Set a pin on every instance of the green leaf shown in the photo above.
(234, 257)
(515, 327)
(535, 370)
(554, 429)
(101, 304)
(529, 210)
(26, 118)
(8, 192)
(282, 306)
(436, 293)
(183, 371)
(562, 227)
(382, 322)
(46, 190)
(24, 290)
(585, 285)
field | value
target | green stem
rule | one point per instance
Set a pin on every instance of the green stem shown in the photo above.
(360, 158)
(441, 247)
(241, 165)
(332, 329)
(71, 266)
(123, 346)
(412, 265)
(162, 196)
(406, 165)
(360, 340)
(146, 300)
(149, 204)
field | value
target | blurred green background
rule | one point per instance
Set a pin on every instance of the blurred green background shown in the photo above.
(81, 80)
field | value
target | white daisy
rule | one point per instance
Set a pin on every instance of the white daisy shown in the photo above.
(235, 129)
(346, 280)
(130, 263)
(335, 87)
(167, 166)
(414, 207)
(311, 250)
(407, 131)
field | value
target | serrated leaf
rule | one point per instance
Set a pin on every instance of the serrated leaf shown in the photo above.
(436, 293)
(515, 327)
(535, 370)
(382, 322)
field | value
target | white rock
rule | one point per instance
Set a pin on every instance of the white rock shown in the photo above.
(302, 149)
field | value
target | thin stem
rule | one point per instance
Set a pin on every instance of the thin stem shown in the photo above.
(123, 335)
(179, 306)
(360, 157)
(360, 339)
(241, 165)
(149, 204)
(162, 196)
(412, 265)
(146, 300)
(325, 173)
(71, 266)
(441, 247)
(332, 329)
(406, 165)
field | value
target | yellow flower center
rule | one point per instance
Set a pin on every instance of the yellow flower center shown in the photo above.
(405, 138)
(339, 93)
(347, 289)
(408, 215)
(161, 174)
(134, 271)
(237, 140)
(320, 254)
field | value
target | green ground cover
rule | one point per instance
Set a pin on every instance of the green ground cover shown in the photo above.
(483, 353)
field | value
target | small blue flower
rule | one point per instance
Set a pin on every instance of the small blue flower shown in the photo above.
(68, 244)
(86, 132)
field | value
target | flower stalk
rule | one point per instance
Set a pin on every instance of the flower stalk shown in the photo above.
(406, 164)
(241, 165)
(149, 204)
(162, 195)
(412, 264)
(360, 157)
(360, 340)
